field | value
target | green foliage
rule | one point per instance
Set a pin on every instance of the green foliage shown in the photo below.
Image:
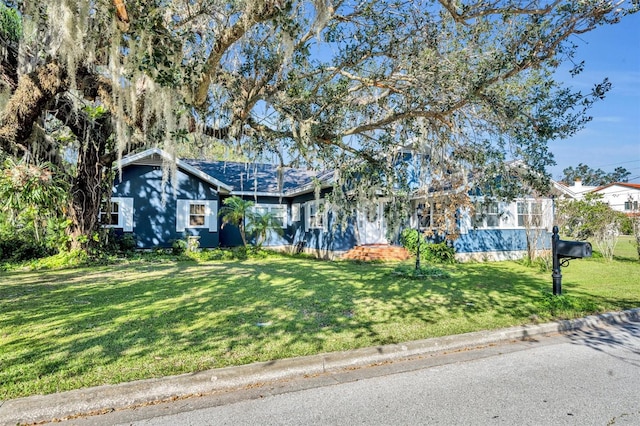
(543, 262)
(562, 306)
(409, 240)
(178, 247)
(10, 23)
(235, 211)
(592, 219)
(440, 253)
(430, 252)
(261, 224)
(112, 242)
(30, 213)
(592, 177)
(17, 245)
(62, 260)
(626, 225)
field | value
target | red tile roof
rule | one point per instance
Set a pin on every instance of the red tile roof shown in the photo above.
(625, 184)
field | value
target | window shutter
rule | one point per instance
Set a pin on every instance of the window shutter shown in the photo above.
(212, 209)
(126, 212)
(465, 221)
(325, 214)
(295, 212)
(182, 214)
(307, 209)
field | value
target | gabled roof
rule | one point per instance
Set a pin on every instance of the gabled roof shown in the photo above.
(623, 184)
(133, 158)
(241, 178)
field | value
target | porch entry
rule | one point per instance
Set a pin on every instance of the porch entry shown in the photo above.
(370, 225)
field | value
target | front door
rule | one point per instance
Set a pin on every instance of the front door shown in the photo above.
(371, 226)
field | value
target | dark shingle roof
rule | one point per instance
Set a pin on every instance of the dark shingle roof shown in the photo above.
(254, 177)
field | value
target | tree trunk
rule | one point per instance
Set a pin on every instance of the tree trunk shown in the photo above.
(86, 196)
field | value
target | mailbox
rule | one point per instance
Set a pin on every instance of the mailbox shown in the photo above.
(566, 250)
(573, 249)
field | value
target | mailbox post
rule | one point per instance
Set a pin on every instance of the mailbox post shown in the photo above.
(556, 275)
(565, 250)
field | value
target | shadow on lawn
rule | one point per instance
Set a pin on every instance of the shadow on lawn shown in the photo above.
(80, 326)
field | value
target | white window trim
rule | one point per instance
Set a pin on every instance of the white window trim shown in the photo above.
(322, 208)
(484, 224)
(529, 201)
(183, 209)
(125, 214)
(271, 207)
(295, 212)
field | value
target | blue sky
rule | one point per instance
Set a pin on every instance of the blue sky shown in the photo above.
(612, 138)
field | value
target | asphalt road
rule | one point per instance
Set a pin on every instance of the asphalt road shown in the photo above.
(587, 377)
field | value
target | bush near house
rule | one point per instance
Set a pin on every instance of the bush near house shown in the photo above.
(430, 252)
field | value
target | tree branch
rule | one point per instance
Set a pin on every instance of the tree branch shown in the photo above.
(266, 10)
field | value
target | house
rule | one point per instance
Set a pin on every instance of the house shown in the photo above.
(159, 210)
(577, 191)
(621, 196)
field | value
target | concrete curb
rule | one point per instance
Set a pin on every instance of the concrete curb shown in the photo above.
(42, 408)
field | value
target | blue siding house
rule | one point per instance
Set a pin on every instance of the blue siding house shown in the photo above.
(158, 210)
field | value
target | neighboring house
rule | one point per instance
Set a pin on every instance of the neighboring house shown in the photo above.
(621, 196)
(577, 191)
(158, 211)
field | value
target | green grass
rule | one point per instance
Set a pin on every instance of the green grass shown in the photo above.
(73, 328)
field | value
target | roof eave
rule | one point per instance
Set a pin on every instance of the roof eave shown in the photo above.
(181, 164)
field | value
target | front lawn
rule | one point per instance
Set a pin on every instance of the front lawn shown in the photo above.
(66, 329)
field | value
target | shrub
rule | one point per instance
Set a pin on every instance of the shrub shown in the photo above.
(21, 245)
(178, 247)
(409, 240)
(430, 252)
(440, 253)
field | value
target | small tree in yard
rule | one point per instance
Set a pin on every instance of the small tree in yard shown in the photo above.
(591, 218)
(234, 211)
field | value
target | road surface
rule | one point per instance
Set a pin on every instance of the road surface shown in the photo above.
(580, 378)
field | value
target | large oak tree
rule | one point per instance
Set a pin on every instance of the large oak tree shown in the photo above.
(468, 86)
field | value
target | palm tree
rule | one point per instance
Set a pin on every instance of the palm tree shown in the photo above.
(261, 224)
(234, 211)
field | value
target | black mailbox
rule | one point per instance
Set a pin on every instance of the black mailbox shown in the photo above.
(573, 249)
(565, 250)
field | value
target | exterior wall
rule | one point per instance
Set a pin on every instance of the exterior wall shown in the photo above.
(155, 208)
(618, 197)
(497, 244)
(328, 241)
(230, 234)
(509, 236)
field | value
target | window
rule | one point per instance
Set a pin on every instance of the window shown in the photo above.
(118, 213)
(433, 215)
(111, 214)
(278, 211)
(315, 215)
(529, 214)
(486, 215)
(196, 214)
(631, 205)
(424, 220)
